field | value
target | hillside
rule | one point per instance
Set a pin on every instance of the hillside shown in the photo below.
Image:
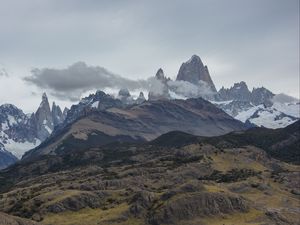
(141, 122)
(190, 182)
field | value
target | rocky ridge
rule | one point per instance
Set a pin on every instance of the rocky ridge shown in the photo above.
(20, 132)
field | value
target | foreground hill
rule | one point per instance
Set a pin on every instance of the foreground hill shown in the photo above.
(175, 179)
(138, 123)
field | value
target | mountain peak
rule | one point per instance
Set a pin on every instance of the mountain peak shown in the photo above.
(239, 91)
(160, 75)
(240, 85)
(194, 59)
(194, 72)
(44, 96)
(124, 92)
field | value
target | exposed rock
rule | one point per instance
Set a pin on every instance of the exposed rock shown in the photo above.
(65, 112)
(195, 116)
(262, 96)
(160, 75)
(75, 203)
(20, 132)
(194, 71)
(6, 158)
(140, 202)
(195, 205)
(234, 107)
(141, 98)
(239, 92)
(159, 88)
(125, 96)
(44, 120)
(57, 115)
(6, 219)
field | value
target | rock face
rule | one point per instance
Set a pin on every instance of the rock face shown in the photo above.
(234, 107)
(194, 72)
(97, 101)
(43, 119)
(57, 115)
(145, 121)
(6, 158)
(141, 98)
(65, 112)
(13, 220)
(125, 96)
(159, 88)
(17, 130)
(260, 107)
(239, 92)
(189, 206)
(262, 96)
(160, 75)
(20, 132)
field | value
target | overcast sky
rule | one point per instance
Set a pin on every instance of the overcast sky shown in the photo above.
(256, 41)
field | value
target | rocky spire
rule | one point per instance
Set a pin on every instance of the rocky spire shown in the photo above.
(43, 119)
(159, 88)
(124, 92)
(65, 112)
(262, 96)
(160, 75)
(194, 71)
(239, 91)
(141, 98)
(57, 115)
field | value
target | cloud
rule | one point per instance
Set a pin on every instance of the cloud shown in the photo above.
(70, 83)
(3, 72)
(189, 90)
(77, 80)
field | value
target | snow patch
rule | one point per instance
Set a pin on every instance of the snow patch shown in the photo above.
(4, 126)
(11, 120)
(244, 115)
(19, 148)
(291, 109)
(95, 104)
(221, 102)
(48, 129)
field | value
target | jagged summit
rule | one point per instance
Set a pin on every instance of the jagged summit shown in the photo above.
(124, 92)
(195, 59)
(239, 91)
(194, 72)
(141, 98)
(160, 74)
(262, 96)
(44, 96)
(20, 132)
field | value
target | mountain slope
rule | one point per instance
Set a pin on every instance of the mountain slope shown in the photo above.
(283, 143)
(6, 158)
(194, 71)
(20, 132)
(145, 122)
(155, 183)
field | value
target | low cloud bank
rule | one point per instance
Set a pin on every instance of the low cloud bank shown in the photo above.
(72, 82)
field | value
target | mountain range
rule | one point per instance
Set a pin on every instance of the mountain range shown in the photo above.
(187, 155)
(20, 132)
(183, 104)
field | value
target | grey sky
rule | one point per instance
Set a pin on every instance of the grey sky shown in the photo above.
(255, 40)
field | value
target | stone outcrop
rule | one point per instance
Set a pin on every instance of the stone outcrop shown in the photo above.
(194, 71)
